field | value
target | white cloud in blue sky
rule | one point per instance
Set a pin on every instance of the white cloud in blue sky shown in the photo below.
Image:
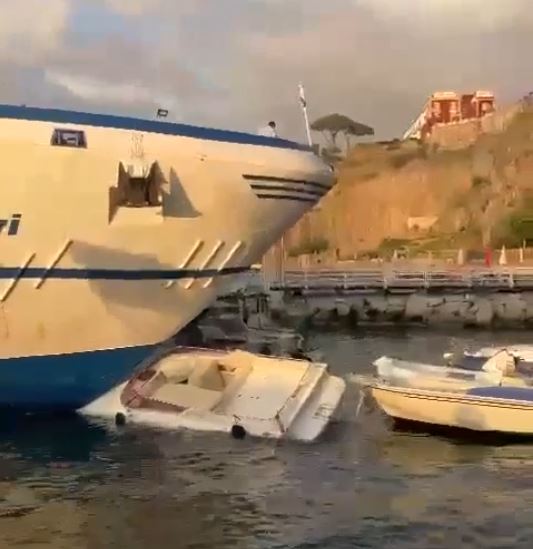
(237, 63)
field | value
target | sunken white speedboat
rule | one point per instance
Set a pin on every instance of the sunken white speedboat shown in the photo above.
(117, 232)
(215, 390)
(493, 399)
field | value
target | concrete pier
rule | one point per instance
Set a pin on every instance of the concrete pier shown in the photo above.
(471, 297)
(491, 309)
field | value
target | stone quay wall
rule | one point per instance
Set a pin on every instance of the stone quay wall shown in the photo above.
(482, 310)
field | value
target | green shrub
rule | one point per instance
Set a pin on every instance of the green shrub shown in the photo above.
(391, 244)
(479, 181)
(313, 246)
(522, 226)
(368, 254)
(400, 160)
(513, 230)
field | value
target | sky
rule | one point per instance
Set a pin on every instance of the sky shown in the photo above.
(236, 64)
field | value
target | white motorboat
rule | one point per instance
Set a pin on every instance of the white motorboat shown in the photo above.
(117, 232)
(414, 374)
(498, 409)
(493, 399)
(475, 359)
(224, 327)
(523, 352)
(227, 391)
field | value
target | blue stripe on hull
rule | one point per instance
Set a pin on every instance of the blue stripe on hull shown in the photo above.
(151, 126)
(69, 381)
(116, 274)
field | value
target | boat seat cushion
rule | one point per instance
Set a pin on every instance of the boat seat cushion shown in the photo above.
(502, 361)
(176, 371)
(508, 393)
(237, 360)
(187, 396)
(207, 376)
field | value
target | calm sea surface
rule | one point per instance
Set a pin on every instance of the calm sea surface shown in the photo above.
(68, 484)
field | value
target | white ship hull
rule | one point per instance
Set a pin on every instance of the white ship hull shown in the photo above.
(89, 285)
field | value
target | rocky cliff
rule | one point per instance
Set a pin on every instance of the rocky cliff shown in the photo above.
(429, 196)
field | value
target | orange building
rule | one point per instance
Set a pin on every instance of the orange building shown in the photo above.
(449, 107)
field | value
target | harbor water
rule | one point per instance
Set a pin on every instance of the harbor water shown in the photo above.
(65, 483)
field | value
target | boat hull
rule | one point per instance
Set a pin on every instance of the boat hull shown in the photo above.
(90, 286)
(68, 381)
(310, 424)
(279, 398)
(455, 410)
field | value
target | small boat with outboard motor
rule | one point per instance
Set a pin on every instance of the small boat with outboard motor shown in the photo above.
(495, 398)
(474, 359)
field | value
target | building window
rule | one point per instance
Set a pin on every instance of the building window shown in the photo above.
(69, 138)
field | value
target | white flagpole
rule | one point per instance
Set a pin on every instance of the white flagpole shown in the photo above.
(306, 118)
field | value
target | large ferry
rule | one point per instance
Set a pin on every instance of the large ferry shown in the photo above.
(116, 232)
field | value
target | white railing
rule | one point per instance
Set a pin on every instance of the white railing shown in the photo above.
(360, 279)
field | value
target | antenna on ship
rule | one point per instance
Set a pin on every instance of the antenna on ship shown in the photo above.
(303, 102)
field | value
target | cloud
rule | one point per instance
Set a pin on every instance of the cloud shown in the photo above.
(27, 32)
(237, 63)
(452, 15)
(141, 8)
(132, 7)
(96, 91)
(378, 65)
(126, 73)
(60, 57)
